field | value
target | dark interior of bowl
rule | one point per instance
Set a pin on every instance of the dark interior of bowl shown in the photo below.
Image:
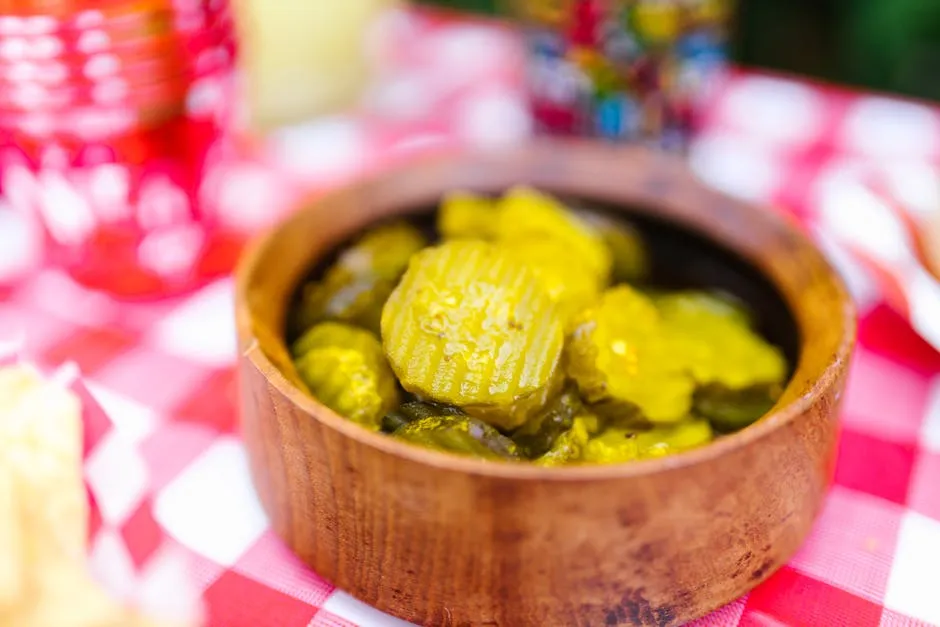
(679, 258)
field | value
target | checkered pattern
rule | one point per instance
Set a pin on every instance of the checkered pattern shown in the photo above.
(165, 460)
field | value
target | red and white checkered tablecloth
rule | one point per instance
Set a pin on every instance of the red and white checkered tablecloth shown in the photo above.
(163, 373)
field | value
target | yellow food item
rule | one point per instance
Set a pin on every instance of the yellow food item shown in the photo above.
(355, 287)
(616, 445)
(613, 446)
(526, 213)
(568, 447)
(567, 280)
(537, 435)
(671, 439)
(618, 353)
(729, 410)
(463, 214)
(44, 581)
(712, 336)
(469, 325)
(338, 334)
(459, 434)
(346, 370)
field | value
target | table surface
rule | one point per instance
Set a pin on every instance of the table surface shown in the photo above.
(163, 373)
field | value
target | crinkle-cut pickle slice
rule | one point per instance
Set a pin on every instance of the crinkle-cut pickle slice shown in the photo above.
(383, 251)
(469, 325)
(355, 287)
(712, 335)
(525, 213)
(329, 334)
(462, 214)
(617, 353)
(459, 434)
(345, 369)
(567, 279)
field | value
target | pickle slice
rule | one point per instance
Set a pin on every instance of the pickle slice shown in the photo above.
(462, 214)
(415, 410)
(526, 213)
(536, 436)
(567, 279)
(356, 286)
(470, 326)
(619, 355)
(730, 410)
(673, 439)
(568, 447)
(345, 369)
(338, 334)
(712, 335)
(612, 446)
(459, 434)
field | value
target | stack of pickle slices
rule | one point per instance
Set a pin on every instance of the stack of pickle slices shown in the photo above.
(526, 332)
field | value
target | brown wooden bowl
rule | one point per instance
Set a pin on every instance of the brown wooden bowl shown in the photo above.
(438, 539)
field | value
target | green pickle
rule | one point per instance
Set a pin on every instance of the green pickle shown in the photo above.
(354, 289)
(567, 280)
(568, 448)
(537, 436)
(730, 410)
(464, 435)
(345, 369)
(526, 213)
(505, 340)
(468, 325)
(613, 446)
(676, 438)
(617, 445)
(462, 214)
(415, 410)
(618, 353)
(713, 336)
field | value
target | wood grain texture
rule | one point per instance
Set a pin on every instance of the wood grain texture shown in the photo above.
(442, 540)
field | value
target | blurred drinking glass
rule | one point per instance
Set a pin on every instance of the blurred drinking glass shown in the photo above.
(110, 112)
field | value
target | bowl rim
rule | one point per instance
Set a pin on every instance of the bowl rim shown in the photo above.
(777, 418)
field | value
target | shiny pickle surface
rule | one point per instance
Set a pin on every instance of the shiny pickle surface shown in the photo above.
(470, 326)
(459, 434)
(618, 354)
(713, 336)
(355, 288)
(345, 369)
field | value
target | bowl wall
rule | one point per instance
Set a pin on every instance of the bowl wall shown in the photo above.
(442, 540)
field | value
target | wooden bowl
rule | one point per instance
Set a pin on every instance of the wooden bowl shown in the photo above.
(438, 539)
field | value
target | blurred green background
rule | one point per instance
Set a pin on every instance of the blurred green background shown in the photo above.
(884, 45)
